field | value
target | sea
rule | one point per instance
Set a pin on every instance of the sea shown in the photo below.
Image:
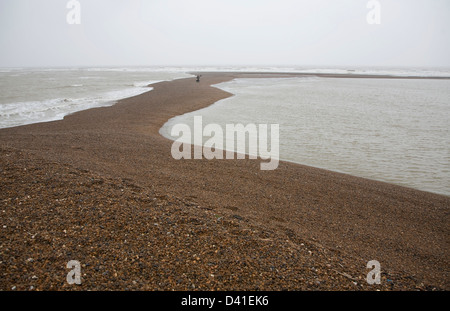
(392, 130)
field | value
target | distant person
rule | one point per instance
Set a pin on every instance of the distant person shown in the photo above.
(198, 78)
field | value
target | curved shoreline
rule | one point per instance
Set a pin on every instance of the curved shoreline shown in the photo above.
(404, 229)
(183, 118)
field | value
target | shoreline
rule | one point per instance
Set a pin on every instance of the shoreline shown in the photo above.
(325, 75)
(346, 76)
(350, 219)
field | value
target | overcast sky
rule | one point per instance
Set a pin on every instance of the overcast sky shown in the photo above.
(225, 32)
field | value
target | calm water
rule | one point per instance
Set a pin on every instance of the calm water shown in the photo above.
(390, 130)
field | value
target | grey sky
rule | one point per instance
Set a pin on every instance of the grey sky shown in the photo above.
(224, 32)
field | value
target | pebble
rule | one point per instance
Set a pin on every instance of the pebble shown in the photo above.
(214, 254)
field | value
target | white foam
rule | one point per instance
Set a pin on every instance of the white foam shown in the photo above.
(22, 113)
(145, 83)
(48, 94)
